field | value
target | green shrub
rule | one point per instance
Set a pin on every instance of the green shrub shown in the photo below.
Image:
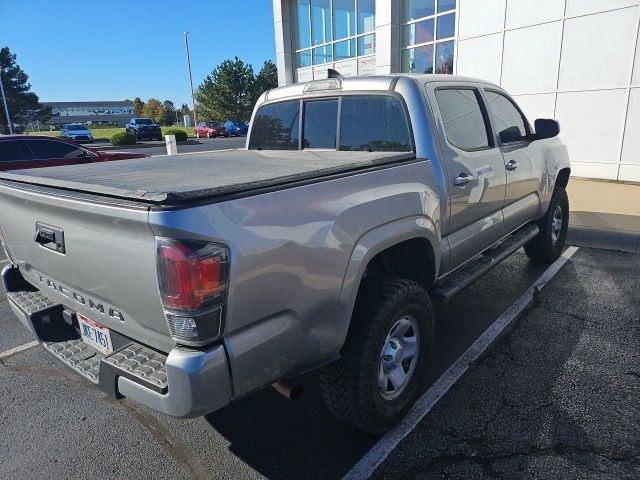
(181, 135)
(123, 138)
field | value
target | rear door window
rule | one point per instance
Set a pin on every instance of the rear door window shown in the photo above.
(276, 127)
(10, 151)
(50, 149)
(375, 123)
(464, 122)
(320, 124)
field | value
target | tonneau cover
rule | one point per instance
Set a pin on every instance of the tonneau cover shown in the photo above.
(177, 178)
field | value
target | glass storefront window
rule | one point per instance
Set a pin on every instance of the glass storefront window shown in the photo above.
(446, 26)
(366, 45)
(427, 26)
(344, 50)
(414, 9)
(444, 57)
(344, 18)
(320, 21)
(366, 16)
(332, 30)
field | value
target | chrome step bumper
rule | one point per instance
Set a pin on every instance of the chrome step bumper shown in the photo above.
(185, 383)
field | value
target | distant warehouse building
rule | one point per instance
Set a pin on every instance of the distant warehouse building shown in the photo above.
(117, 113)
(574, 60)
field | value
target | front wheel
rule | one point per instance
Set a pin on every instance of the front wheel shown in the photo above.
(548, 245)
(383, 366)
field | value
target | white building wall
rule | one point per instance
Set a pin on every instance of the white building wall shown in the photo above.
(574, 60)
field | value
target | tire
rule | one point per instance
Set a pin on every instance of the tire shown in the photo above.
(548, 245)
(350, 386)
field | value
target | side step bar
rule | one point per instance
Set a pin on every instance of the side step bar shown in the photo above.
(469, 273)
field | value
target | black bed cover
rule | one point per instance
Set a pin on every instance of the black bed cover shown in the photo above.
(177, 178)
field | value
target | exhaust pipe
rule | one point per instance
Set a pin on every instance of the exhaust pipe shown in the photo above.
(287, 389)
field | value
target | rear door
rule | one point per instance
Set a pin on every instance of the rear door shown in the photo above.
(475, 170)
(523, 158)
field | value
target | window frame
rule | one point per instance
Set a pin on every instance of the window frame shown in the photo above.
(339, 96)
(491, 140)
(527, 126)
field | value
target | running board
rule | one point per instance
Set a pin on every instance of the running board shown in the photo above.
(462, 278)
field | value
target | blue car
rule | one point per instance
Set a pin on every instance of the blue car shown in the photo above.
(236, 128)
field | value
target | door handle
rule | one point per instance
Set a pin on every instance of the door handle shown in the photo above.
(462, 179)
(512, 165)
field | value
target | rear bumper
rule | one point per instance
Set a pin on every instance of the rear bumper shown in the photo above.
(192, 382)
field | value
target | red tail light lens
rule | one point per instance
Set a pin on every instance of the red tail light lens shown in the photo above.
(192, 276)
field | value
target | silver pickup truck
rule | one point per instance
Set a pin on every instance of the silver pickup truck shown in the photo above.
(187, 282)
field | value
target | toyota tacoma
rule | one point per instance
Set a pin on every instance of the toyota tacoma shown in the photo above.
(187, 282)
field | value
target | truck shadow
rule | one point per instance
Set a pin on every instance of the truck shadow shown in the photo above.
(283, 439)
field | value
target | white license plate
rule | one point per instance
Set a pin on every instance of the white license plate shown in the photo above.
(95, 335)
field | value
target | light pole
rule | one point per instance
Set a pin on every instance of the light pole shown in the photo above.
(6, 109)
(193, 100)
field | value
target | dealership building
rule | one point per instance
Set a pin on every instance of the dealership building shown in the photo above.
(96, 112)
(574, 60)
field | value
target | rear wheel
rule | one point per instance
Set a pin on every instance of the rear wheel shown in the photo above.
(384, 361)
(548, 245)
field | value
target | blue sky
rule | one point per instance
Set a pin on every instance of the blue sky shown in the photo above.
(116, 49)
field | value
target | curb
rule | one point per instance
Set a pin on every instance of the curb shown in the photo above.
(605, 239)
(137, 145)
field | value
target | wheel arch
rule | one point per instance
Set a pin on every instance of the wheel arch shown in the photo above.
(388, 249)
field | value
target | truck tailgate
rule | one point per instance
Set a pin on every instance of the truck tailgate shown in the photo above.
(106, 270)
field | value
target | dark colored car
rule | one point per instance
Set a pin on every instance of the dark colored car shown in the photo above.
(144, 129)
(30, 151)
(236, 128)
(210, 129)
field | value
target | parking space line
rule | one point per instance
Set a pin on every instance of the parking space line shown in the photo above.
(379, 452)
(13, 351)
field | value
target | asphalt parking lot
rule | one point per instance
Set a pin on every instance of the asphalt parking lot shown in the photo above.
(194, 145)
(555, 398)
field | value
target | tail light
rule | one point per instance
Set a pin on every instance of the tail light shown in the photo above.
(192, 278)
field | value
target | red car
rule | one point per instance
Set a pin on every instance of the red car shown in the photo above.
(210, 129)
(31, 151)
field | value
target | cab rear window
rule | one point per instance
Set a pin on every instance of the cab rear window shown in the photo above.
(373, 123)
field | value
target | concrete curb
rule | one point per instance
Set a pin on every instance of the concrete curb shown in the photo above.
(156, 144)
(605, 239)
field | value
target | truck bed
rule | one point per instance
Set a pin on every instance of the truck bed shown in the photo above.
(176, 179)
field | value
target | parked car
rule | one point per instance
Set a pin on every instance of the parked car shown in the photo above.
(188, 282)
(32, 151)
(76, 132)
(210, 129)
(144, 129)
(236, 128)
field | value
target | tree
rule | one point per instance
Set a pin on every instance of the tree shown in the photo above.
(169, 113)
(138, 107)
(227, 92)
(266, 79)
(23, 105)
(154, 110)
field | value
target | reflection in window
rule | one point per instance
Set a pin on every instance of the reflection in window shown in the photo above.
(275, 127)
(444, 57)
(344, 18)
(386, 128)
(462, 118)
(426, 22)
(366, 16)
(345, 27)
(507, 119)
(320, 21)
(418, 59)
(320, 124)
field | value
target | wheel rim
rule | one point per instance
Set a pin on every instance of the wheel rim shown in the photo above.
(398, 357)
(556, 224)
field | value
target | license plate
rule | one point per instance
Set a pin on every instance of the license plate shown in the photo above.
(95, 335)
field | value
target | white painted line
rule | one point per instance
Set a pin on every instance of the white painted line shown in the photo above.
(12, 351)
(374, 457)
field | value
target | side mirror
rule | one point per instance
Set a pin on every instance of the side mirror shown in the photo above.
(546, 128)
